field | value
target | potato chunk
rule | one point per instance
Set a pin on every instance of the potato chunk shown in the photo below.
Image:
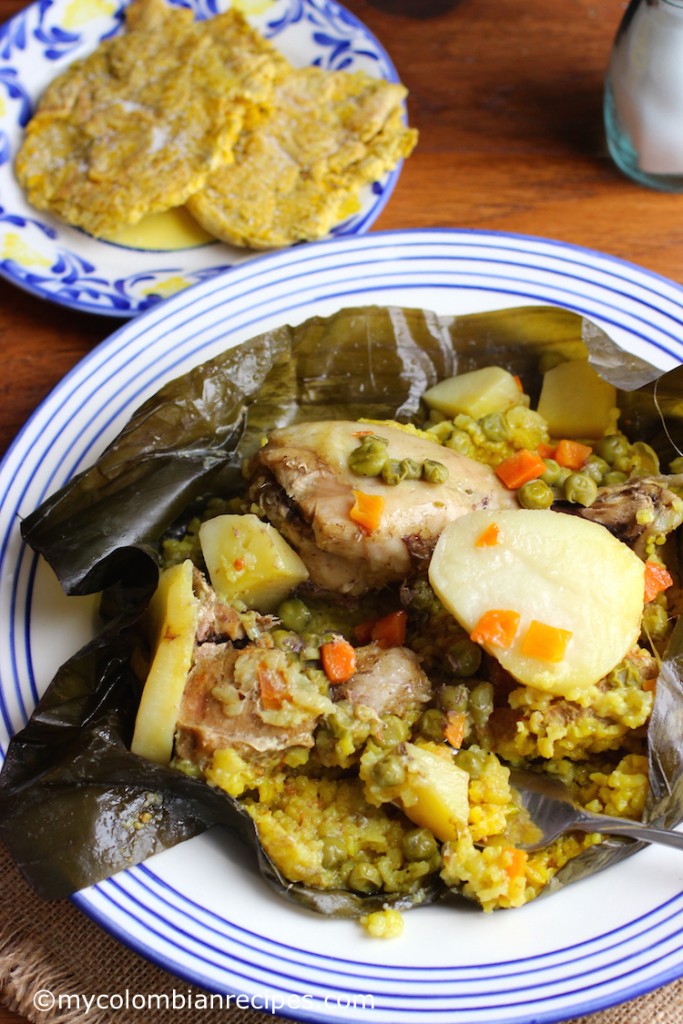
(435, 793)
(249, 561)
(556, 599)
(575, 401)
(475, 393)
(173, 615)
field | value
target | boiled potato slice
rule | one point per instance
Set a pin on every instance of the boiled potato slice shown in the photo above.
(575, 401)
(249, 561)
(476, 393)
(567, 580)
(435, 793)
(173, 614)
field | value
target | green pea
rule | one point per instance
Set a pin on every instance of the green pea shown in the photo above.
(396, 470)
(423, 598)
(278, 636)
(369, 457)
(364, 878)
(624, 464)
(535, 494)
(596, 467)
(645, 460)
(464, 657)
(580, 489)
(472, 760)
(433, 724)
(285, 640)
(311, 649)
(394, 730)
(389, 771)
(434, 472)
(495, 426)
(412, 469)
(460, 441)
(481, 704)
(612, 447)
(333, 853)
(553, 473)
(441, 431)
(392, 472)
(454, 698)
(419, 844)
(294, 614)
(614, 478)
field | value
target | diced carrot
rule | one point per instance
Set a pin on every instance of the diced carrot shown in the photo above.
(496, 627)
(367, 511)
(546, 451)
(272, 688)
(544, 642)
(571, 454)
(519, 468)
(362, 433)
(650, 685)
(518, 382)
(657, 579)
(489, 538)
(363, 631)
(515, 862)
(339, 660)
(238, 564)
(387, 631)
(455, 728)
(390, 631)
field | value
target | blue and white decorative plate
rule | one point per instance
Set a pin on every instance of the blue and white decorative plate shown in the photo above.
(65, 265)
(201, 910)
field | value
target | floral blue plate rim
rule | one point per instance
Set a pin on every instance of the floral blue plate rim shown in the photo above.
(66, 266)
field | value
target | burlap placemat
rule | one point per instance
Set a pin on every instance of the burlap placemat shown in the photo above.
(58, 967)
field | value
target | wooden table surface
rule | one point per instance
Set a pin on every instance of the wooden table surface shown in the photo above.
(507, 97)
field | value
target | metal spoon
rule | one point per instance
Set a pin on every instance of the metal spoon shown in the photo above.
(554, 812)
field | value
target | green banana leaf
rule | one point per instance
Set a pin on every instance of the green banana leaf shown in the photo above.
(75, 804)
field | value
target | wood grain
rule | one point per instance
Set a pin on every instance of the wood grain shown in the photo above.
(508, 101)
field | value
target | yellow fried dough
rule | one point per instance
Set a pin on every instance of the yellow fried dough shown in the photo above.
(137, 126)
(299, 172)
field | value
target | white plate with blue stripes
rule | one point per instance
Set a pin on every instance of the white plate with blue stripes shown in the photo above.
(201, 910)
(63, 264)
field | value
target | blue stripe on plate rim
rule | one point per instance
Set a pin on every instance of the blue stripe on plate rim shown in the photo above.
(170, 900)
(140, 899)
(523, 1003)
(525, 257)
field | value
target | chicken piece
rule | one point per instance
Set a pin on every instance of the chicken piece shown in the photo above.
(388, 680)
(638, 510)
(256, 700)
(303, 484)
(216, 619)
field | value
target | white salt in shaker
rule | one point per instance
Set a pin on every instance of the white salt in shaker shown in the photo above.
(644, 94)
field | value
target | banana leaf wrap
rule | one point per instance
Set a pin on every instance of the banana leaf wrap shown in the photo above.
(75, 804)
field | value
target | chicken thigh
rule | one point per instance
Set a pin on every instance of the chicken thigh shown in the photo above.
(303, 483)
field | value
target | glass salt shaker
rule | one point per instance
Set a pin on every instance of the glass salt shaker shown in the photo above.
(644, 94)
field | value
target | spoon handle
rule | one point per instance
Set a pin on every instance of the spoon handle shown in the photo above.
(620, 827)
